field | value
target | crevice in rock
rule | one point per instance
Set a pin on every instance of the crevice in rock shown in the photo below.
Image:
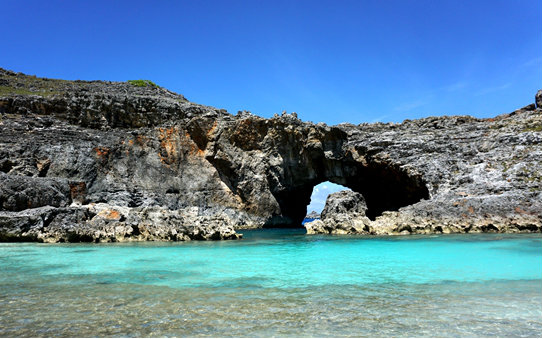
(48, 218)
(75, 237)
(6, 165)
(136, 199)
(43, 167)
(7, 237)
(226, 172)
(490, 228)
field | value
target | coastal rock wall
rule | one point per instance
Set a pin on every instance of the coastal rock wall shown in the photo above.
(103, 161)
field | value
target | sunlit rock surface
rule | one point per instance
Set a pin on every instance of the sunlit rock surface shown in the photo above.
(344, 213)
(110, 161)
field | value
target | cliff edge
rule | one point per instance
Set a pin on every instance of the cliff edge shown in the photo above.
(121, 161)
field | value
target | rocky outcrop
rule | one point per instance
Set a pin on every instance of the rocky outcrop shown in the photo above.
(103, 223)
(344, 213)
(312, 215)
(110, 161)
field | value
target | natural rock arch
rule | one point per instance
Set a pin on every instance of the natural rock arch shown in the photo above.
(143, 163)
(385, 187)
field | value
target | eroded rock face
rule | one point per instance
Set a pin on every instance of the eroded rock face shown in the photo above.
(20, 193)
(344, 213)
(170, 169)
(343, 204)
(104, 223)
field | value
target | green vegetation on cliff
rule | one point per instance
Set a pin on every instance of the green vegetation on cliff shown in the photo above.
(7, 90)
(142, 83)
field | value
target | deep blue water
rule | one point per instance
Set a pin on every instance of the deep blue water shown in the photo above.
(276, 283)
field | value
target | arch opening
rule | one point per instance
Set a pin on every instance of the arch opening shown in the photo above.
(385, 187)
(319, 196)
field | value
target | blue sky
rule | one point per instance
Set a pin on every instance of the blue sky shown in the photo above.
(320, 193)
(331, 61)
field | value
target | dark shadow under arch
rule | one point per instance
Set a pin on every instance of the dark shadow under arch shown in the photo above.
(385, 187)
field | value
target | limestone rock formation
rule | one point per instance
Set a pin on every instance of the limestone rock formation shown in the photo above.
(110, 161)
(344, 213)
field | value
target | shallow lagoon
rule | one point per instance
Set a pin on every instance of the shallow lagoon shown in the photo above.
(277, 283)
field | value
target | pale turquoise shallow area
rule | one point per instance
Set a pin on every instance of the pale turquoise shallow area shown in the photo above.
(276, 283)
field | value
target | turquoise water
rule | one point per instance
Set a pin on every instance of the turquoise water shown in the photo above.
(276, 283)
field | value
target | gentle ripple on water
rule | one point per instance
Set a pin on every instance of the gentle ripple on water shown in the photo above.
(276, 283)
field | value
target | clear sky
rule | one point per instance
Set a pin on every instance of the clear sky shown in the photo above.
(320, 193)
(331, 61)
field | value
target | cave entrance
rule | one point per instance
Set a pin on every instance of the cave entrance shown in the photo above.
(385, 187)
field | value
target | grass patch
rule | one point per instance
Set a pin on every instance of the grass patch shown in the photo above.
(142, 83)
(533, 128)
(6, 90)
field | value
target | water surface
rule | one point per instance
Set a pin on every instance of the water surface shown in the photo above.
(276, 283)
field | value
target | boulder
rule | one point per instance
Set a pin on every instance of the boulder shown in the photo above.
(344, 213)
(343, 204)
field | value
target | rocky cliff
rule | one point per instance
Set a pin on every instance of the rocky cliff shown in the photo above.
(110, 161)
